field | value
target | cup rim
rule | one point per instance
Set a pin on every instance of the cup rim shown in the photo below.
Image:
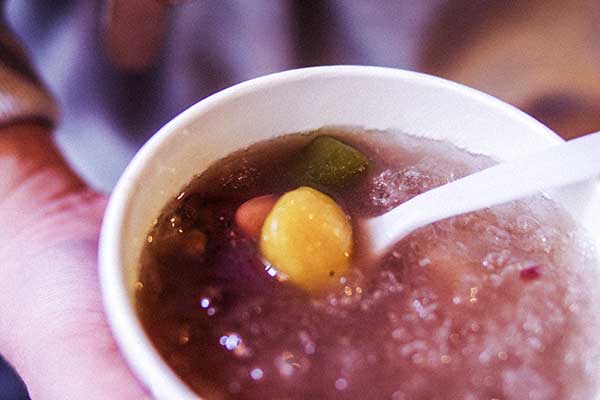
(132, 341)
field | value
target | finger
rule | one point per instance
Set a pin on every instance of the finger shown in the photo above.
(133, 31)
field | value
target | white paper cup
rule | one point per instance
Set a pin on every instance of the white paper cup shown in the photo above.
(292, 101)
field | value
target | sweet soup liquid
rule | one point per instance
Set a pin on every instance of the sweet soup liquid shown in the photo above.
(496, 304)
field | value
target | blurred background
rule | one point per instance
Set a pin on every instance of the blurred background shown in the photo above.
(120, 69)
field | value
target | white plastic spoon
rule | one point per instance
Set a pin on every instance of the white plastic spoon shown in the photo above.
(574, 161)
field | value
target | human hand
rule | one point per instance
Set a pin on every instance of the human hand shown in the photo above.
(52, 326)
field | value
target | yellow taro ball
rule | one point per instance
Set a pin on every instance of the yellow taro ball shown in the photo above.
(307, 237)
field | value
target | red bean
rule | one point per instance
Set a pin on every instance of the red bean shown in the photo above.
(252, 214)
(531, 273)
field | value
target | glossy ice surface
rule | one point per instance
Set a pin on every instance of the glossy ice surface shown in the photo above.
(496, 304)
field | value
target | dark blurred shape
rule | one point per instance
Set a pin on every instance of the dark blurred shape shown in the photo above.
(543, 56)
(11, 387)
(133, 32)
(317, 32)
(567, 114)
(458, 25)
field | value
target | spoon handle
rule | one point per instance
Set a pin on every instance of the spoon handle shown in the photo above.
(574, 161)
